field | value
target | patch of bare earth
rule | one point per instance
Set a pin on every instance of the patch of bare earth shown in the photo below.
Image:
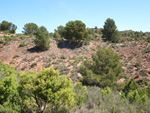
(64, 59)
(135, 60)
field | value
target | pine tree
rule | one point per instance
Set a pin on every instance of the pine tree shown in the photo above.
(110, 32)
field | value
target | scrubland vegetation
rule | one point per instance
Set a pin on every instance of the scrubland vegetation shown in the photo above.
(96, 78)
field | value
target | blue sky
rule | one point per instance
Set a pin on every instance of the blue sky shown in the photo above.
(128, 14)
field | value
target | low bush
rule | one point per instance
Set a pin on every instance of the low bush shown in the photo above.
(104, 69)
(6, 39)
(148, 39)
(147, 50)
(22, 44)
(33, 64)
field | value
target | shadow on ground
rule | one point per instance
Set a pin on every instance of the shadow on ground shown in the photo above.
(65, 44)
(33, 50)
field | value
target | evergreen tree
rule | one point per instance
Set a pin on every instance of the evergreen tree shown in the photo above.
(60, 30)
(42, 40)
(8, 26)
(59, 33)
(75, 32)
(30, 28)
(110, 32)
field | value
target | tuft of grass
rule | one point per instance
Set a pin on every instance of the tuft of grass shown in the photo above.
(62, 56)
(147, 50)
(22, 44)
(23, 67)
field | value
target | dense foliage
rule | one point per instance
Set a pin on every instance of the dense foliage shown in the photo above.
(8, 27)
(42, 40)
(103, 70)
(30, 28)
(110, 32)
(134, 94)
(48, 90)
(45, 91)
(59, 32)
(9, 89)
(6, 70)
(75, 32)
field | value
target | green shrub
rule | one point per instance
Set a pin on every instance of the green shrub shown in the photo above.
(60, 30)
(33, 64)
(16, 56)
(148, 39)
(130, 86)
(147, 50)
(139, 62)
(143, 82)
(134, 94)
(91, 33)
(6, 70)
(7, 39)
(6, 109)
(57, 36)
(106, 91)
(48, 89)
(62, 56)
(22, 44)
(148, 91)
(103, 70)
(2, 41)
(22, 37)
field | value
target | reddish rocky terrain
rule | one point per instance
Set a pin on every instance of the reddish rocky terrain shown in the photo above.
(23, 55)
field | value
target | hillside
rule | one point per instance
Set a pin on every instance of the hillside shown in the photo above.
(20, 51)
(128, 93)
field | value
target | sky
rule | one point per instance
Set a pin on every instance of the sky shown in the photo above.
(127, 14)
